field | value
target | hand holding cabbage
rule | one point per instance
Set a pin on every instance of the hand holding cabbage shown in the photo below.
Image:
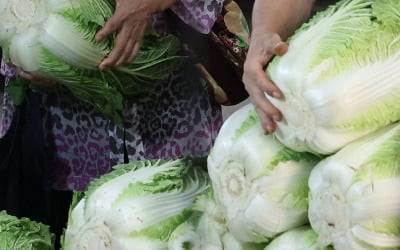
(56, 40)
(262, 48)
(130, 20)
(272, 22)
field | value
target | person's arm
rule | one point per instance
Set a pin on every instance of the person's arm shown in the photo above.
(272, 22)
(130, 20)
(9, 71)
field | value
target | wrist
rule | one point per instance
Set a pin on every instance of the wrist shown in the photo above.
(262, 35)
(261, 32)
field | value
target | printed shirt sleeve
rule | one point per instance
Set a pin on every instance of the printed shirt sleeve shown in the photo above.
(7, 71)
(199, 14)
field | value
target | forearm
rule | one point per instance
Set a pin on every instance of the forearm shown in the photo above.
(280, 16)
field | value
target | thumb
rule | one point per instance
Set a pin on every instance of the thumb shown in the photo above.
(280, 48)
(276, 45)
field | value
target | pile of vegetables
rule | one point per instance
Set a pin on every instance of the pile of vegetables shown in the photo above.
(341, 81)
(56, 39)
(266, 197)
(347, 200)
(261, 185)
(24, 234)
(327, 179)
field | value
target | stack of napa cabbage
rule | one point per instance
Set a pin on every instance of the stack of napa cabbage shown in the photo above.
(341, 81)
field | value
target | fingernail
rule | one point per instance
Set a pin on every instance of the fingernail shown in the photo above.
(269, 128)
(277, 95)
(277, 117)
(103, 66)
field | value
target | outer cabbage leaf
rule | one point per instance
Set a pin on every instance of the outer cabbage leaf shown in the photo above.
(340, 76)
(24, 234)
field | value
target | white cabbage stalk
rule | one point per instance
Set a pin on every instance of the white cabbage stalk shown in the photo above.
(206, 229)
(302, 238)
(260, 185)
(232, 243)
(340, 76)
(203, 230)
(354, 194)
(138, 204)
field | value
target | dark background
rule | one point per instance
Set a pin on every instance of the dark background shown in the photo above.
(247, 5)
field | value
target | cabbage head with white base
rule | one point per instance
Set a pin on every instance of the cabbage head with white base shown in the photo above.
(354, 195)
(340, 76)
(259, 184)
(56, 39)
(138, 205)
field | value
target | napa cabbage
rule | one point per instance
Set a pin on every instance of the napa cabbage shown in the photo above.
(340, 76)
(354, 195)
(137, 205)
(24, 234)
(56, 39)
(259, 184)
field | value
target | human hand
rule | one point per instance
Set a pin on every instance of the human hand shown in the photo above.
(130, 20)
(263, 47)
(37, 80)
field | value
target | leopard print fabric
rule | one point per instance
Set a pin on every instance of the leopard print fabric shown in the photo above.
(7, 108)
(179, 119)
